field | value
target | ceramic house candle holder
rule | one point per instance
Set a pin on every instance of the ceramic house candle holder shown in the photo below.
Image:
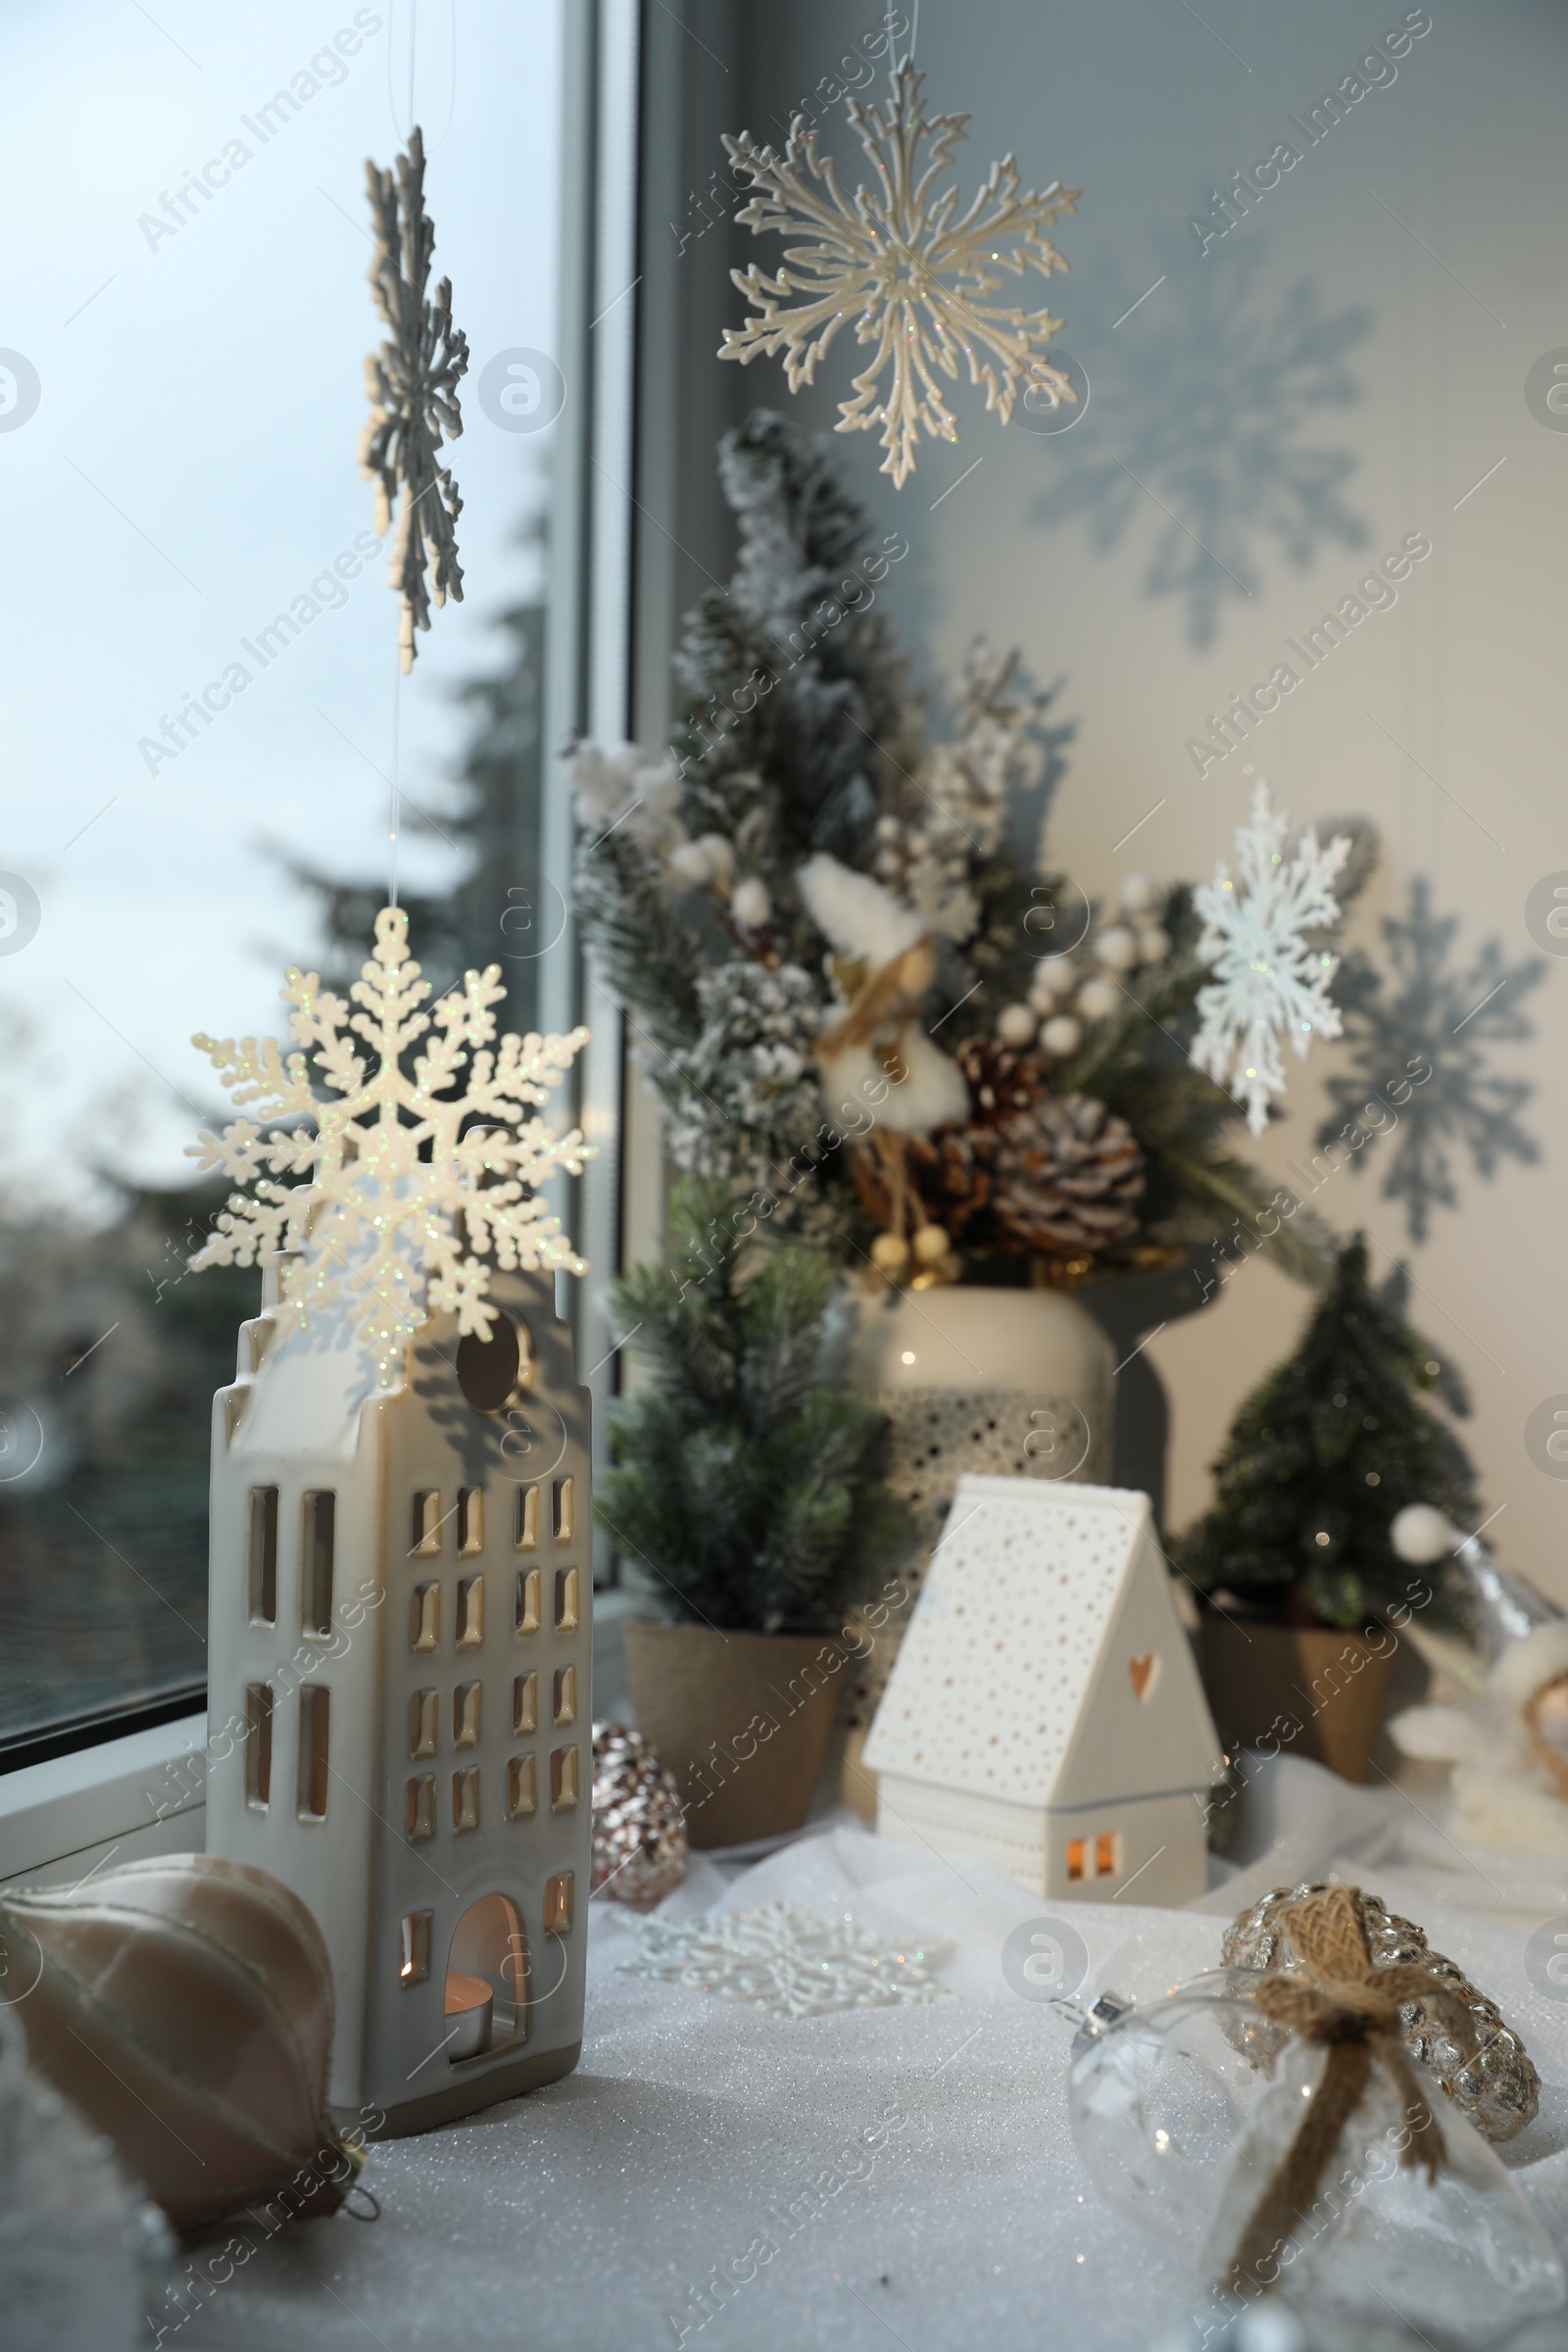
(400, 1618)
(400, 1590)
(1043, 1709)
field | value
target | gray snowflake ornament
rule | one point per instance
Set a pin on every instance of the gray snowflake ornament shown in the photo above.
(413, 382)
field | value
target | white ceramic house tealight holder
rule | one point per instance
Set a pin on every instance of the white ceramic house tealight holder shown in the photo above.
(1045, 1710)
(400, 1598)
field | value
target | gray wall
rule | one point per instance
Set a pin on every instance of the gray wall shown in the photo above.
(1327, 378)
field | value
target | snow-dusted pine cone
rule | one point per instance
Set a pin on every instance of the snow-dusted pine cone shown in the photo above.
(999, 1079)
(1064, 1175)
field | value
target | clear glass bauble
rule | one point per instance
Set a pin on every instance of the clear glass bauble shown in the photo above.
(1182, 2113)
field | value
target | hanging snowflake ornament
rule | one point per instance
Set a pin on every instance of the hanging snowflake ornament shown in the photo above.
(1270, 979)
(416, 1181)
(893, 257)
(413, 382)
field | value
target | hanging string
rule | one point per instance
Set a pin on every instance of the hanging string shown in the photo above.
(392, 836)
(914, 35)
(402, 122)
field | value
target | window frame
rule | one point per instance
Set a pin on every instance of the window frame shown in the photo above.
(126, 1782)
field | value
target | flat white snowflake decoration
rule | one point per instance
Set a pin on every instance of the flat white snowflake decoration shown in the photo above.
(415, 1182)
(894, 259)
(1270, 982)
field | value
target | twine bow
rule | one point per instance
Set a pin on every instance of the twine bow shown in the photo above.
(1344, 2002)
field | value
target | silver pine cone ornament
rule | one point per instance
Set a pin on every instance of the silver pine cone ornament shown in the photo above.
(1066, 1175)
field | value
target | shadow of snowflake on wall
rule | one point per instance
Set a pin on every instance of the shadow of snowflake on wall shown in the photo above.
(1200, 415)
(1431, 1013)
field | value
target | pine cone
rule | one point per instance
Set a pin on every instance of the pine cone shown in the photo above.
(999, 1079)
(951, 1174)
(946, 1174)
(1063, 1175)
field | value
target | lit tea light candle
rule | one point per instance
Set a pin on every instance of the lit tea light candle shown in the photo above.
(469, 2003)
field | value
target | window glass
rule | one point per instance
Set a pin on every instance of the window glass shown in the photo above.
(202, 649)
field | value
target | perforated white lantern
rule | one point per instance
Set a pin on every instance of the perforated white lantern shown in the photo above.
(1043, 1709)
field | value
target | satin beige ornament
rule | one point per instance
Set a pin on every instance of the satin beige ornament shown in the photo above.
(184, 2006)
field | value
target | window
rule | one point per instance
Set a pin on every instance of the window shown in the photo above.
(466, 1705)
(413, 1965)
(465, 1798)
(527, 1518)
(315, 1715)
(316, 1565)
(565, 1601)
(558, 1903)
(471, 1521)
(424, 1617)
(1108, 1854)
(560, 1509)
(522, 1787)
(528, 1586)
(471, 1612)
(424, 1722)
(566, 1694)
(264, 1556)
(235, 669)
(419, 1808)
(525, 1703)
(258, 1745)
(424, 1530)
(1077, 1848)
(562, 1778)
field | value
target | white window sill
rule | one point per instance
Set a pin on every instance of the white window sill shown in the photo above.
(146, 1794)
(122, 1799)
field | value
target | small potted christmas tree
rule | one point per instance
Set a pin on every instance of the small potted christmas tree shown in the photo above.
(1304, 1587)
(746, 1483)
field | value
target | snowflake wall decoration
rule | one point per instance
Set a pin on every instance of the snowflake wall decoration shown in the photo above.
(894, 259)
(1270, 980)
(1422, 1036)
(413, 382)
(434, 1171)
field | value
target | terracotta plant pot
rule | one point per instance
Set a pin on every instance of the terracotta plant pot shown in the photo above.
(742, 1720)
(1308, 1690)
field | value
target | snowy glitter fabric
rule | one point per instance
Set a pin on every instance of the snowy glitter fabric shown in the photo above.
(638, 1843)
(595, 2209)
(788, 1962)
(1269, 979)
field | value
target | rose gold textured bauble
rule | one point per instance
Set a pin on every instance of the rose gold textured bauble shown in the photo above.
(638, 1821)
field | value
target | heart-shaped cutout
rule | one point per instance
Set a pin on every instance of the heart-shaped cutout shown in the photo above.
(1145, 1673)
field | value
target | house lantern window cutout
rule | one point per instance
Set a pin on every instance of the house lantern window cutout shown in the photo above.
(487, 1981)
(413, 1775)
(1043, 1709)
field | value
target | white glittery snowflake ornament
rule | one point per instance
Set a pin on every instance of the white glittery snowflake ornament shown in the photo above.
(789, 1961)
(1270, 981)
(414, 1181)
(894, 259)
